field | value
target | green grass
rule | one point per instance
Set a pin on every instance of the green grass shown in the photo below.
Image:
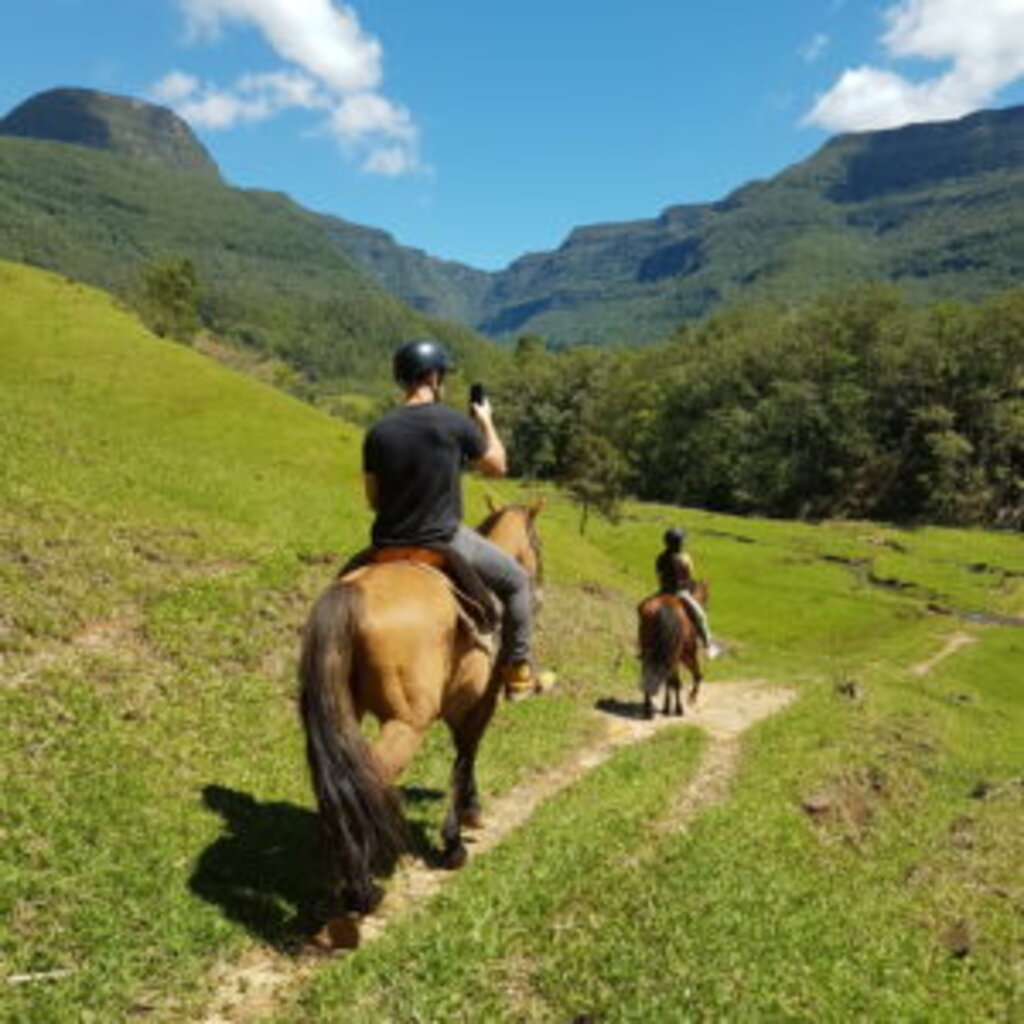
(164, 525)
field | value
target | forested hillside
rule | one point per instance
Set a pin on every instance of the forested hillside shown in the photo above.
(936, 209)
(859, 405)
(111, 195)
(94, 186)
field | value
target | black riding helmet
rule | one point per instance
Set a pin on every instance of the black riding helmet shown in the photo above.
(674, 537)
(415, 359)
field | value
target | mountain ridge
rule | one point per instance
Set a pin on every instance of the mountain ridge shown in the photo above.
(934, 208)
(113, 124)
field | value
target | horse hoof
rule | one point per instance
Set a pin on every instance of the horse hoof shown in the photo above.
(455, 858)
(338, 933)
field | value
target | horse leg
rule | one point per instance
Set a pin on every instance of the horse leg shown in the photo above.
(672, 687)
(648, 707)
(693, 664)
(464, 808)
(395, 747)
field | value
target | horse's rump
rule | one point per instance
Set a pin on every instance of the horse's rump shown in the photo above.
(358, 809)
(407, 640)
(664, 630)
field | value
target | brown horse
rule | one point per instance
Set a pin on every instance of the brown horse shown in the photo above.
(669, 638)
(388, 639)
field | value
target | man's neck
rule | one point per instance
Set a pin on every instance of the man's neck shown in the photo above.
(425, 394)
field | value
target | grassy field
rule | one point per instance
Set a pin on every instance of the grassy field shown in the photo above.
(164, 525)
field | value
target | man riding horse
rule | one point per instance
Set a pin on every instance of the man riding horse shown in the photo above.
(676, 575)
(412, 462)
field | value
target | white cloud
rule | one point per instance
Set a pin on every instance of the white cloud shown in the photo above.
(286, 89)
(324, 39)
(252, 98)
(367, 114)
(331, 65)
(175, 87)
(217, 109)
(389, 162)
(981, 40)
(815, 47)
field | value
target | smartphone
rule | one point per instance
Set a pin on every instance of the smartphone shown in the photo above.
(477, 394)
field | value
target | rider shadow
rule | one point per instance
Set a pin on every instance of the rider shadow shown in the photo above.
(621, 708)
(268, 871)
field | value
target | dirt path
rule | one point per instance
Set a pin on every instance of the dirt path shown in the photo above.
(253, 986)
(951, 646)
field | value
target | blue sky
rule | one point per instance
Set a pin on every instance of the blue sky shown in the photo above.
(481, 131)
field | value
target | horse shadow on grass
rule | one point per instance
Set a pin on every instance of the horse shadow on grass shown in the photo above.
(621, 708)
(268, 871)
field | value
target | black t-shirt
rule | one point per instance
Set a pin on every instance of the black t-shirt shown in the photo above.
(417, 453)
(675, 571)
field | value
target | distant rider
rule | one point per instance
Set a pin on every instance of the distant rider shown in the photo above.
(676, 575)
(412, 463)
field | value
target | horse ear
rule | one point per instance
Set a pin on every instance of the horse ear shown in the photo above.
(491, 503)
(536, 507)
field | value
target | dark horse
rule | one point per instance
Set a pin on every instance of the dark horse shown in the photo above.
(389, 640)
(669, 638)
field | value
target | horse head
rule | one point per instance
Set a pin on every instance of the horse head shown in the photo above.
(513, 529)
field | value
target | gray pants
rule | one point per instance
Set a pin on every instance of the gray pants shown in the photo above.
(703, 626)
(508, 579)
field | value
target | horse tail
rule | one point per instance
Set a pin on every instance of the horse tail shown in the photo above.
(661, 638)
(359, 812)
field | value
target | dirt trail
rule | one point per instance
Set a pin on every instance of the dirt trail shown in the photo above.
(118, 637)
(253, 986)
(951, 646)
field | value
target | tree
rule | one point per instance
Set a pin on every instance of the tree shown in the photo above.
(170, 297)
(596, 476)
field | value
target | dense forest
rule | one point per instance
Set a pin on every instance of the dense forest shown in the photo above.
(859, 405)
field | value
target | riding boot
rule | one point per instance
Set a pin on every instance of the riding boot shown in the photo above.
(518, 681)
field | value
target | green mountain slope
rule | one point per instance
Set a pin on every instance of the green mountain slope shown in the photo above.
(937, 209)
(92, 185)
(439, 288)
(101, 211)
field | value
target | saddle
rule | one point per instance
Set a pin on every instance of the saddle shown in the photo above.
(475, 600)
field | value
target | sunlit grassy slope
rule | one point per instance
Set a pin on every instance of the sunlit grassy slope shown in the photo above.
(164, 524)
